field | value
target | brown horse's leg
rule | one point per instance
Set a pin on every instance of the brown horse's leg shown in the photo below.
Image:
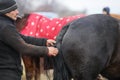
(37, 67)
(29, 68)
(42, 69)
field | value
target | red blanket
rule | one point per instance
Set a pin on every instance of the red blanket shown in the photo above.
(41, 26)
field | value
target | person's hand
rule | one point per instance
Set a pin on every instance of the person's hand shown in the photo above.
(50, 42)
(52, 51)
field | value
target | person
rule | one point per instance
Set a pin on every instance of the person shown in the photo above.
(106, 10)
(13, 44)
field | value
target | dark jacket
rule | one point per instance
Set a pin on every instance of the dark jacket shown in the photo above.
(13, 44)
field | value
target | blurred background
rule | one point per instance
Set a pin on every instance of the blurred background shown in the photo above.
(68, 7)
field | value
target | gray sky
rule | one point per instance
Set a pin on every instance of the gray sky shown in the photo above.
(92, 6)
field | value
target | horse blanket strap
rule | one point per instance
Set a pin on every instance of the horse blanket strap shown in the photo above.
(41, 26)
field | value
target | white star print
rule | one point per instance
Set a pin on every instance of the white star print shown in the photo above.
(37, 17)
(31, 32)
(47, 34)
(48, 27)
(68, 20)
(37, 34)
(61, 18)
(54, 37)
(53, 28)
(41, 30)
(57, 22)
(32, 23)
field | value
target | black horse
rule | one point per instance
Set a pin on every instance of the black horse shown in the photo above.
(87, 47)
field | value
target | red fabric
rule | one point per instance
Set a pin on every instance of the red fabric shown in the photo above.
(41, 26)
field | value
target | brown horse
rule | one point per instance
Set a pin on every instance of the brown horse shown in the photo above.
(33, 63)
(117, 16)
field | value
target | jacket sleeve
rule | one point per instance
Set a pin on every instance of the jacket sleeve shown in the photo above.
(12, 38)
(34, 41)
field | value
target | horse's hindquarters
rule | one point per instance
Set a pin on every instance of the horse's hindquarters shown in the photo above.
(88, 45)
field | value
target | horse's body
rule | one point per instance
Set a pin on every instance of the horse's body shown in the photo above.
(37, 25)
(88, 46)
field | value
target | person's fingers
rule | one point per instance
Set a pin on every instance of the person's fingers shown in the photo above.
(52, 41)
(51, 44)
(54, 54)
(52, 51)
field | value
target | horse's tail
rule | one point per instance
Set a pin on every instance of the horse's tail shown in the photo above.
(60, 69)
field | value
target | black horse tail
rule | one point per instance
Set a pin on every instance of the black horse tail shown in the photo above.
(60, 69)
